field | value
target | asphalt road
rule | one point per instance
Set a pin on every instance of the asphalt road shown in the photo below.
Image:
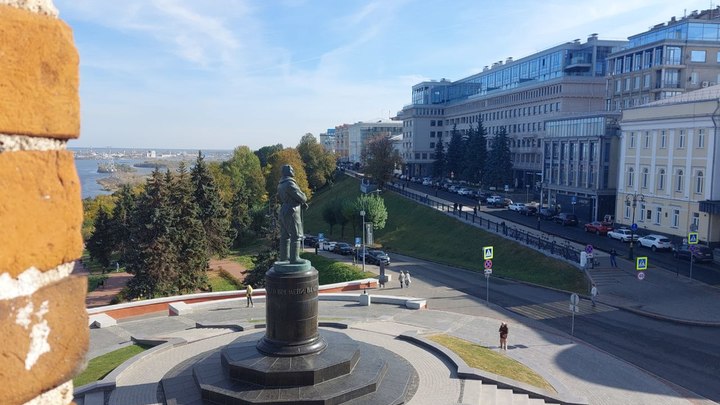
(688, 356)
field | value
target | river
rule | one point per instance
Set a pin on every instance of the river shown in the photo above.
(87, 171)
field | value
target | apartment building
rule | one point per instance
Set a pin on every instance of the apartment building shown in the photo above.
(521, 95)
(350, 139)
(670, 165)
(669, 59)
(328, 141)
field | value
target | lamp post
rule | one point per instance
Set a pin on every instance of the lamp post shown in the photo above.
(527, 193)
(631, 200)
(362, 214)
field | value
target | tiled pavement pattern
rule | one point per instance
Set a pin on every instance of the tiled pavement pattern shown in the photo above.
(559, 309)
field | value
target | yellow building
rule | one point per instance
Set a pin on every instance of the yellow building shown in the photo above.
(670, 166)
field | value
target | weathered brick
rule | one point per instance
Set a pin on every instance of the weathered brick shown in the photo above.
(38, 76)
(40, 210)
(44, 339)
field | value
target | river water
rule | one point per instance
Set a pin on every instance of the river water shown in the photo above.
(87, 171)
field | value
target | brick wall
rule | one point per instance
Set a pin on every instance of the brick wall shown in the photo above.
(43, 323)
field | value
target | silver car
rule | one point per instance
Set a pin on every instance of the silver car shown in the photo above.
(623, 235)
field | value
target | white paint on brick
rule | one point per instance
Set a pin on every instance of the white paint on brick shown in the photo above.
(38, 343)
(24, 315)
(31, 280)
(61, 395)
(17, 143)
(45, 7)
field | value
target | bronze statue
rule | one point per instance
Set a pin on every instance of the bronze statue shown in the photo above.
(291, 229)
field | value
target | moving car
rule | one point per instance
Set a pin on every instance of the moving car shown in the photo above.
(598, 228)
(701, 253)
(516, 207)
(376, 257)
(528, 210)
(546, 213)
(343, 248)
(623, 235)
(655, 242)
(565, 219)
(494, 199)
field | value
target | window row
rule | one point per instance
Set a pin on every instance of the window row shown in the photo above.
(661, 181)
(679, 139)
(656, 214)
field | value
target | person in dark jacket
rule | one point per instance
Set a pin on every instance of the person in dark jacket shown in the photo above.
(503, 335)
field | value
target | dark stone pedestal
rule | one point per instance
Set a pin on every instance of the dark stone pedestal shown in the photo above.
(292, 314)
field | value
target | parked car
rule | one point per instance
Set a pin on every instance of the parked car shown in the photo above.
(493, 199)
(655, 242)
(343, 248)
(598, 228)
(376, 257)
(327, 245)
(546, 214)
(528, 210)
(702, 253)
(310, 240)
(464, 191)
(623, 235)
(517, 207)
(566, 219)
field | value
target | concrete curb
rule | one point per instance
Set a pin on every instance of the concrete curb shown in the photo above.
(469, 373)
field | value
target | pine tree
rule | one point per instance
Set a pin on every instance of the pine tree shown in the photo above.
(475, 154)
(440, 159)
(454, 154)
(498, 165)
(100, 244)
(120, 221)
(212, 212)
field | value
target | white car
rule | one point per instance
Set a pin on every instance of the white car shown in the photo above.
(494, 199)
(464, 191)
(623, 235)
(517, 207)
(328, 246)
(655, 242)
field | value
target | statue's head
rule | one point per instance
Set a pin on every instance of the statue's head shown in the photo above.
(287, 171)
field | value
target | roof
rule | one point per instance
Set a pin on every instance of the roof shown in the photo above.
(707, 93)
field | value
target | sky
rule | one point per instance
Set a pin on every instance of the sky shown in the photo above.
(217, 74)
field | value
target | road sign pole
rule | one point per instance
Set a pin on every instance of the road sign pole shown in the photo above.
(691, 263)
(487, 290)
(572, 328)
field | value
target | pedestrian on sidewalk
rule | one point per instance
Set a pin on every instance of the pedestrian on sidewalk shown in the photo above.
(593, 294)
(475, 210)
(503, 335)
(454, 207)
(248, 295)
(407, 279)
(613, 254)
(401, 278)
(538, 223)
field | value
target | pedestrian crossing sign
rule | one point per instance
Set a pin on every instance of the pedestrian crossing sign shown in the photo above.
(641, 263)
(692, 238)
(487, 252)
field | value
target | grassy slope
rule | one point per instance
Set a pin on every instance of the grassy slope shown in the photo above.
(100, 366)
(419, 231)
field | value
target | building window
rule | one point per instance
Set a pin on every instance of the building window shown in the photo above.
(646, 81)
(679, 181)
(645, 177)
(647, 140)
(637, 83)
(632, 139)
(699, 183)
(627, 84)
(661, 179)
(676, 218)
(663, 140)
(681, 140)
(627, 212)
(697, 56)
(631, 177)
(701, 139)
(432, 145)
(618, 86)
(696, 220)
(694, 78)
(432, 123)
(658, 215)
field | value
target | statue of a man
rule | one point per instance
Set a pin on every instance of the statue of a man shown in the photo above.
(291, 230)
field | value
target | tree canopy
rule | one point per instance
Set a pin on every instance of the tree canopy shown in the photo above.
(277, 161)
(380, 159)
(319, 163)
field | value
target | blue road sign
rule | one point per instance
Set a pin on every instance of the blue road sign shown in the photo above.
(358, 241)
(641, 263)
(573, 200)
(588, 249)
(692, 238)
(633, 227)
(487, 252)
(321, 237)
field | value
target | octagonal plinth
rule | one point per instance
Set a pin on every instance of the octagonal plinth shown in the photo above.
(291, 312)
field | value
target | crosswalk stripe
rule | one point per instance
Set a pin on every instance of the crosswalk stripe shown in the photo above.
(558, 309)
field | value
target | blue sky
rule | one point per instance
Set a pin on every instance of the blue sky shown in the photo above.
(216, 74)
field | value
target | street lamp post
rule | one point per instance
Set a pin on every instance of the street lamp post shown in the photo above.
(631, 200)
(362, 214)
(527, 193)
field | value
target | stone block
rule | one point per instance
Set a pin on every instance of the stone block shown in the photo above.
(416, 304)
(39, 78)
(99, 321)
(365, 300)
(44, 339)
(179, 308)
(41, 210)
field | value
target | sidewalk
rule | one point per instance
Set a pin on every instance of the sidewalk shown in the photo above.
(661, 295)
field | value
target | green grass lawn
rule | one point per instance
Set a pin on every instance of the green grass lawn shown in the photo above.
(419, 231)
(101, 366)
(482, 358)
(220, 283)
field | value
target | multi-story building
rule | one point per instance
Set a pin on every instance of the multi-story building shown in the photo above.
(580, 158)
(669, 59)
(520, 95)
(350, 139)
(670, 165)
(327, 140)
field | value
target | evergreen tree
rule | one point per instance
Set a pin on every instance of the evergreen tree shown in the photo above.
(440, 159)
(342, 220)
(454, 157)
(189, 235)
(100, 244)
(211, 211)
(328, 215)
(498, 166)
(475, 154)
(120, 221)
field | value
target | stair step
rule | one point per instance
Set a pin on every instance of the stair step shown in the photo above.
(503, 397)
(488, 393)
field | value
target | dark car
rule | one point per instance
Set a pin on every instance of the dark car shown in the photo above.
(566, 219)
(377, 256)
(528, 210)
(343, 248)
(546, 213)
(702, 253)
(310, 241)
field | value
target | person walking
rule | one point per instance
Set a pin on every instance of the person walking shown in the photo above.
(613, 255)
(503, 335)
(593, 294)
(407, 279)
(248, 295)
(401, 278)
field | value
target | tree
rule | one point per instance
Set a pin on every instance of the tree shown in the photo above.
(211, 211)
(340, 217)
(319, 163)
(100, 244)
(380, 159)
(120, 222)
(454, 157)
(328, 215)
(265, 152)
(439, 163)
(374, 207)
(498, 166)
(475, 153)
(277, 161)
